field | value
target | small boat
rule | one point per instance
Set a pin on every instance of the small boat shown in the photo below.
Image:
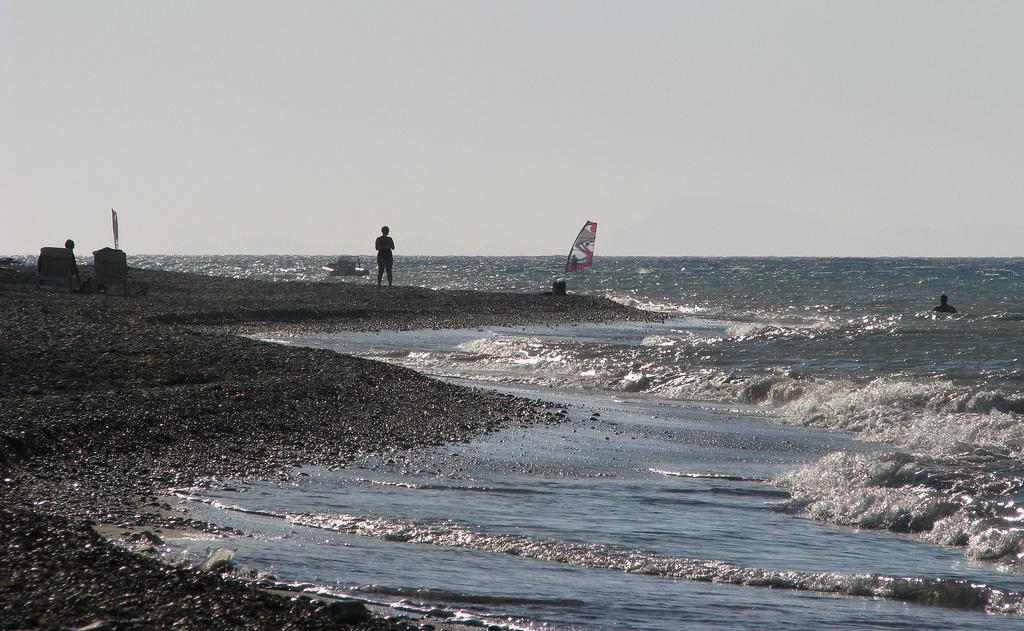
(346, 266)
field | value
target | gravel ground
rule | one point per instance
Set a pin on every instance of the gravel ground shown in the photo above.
(107, 401)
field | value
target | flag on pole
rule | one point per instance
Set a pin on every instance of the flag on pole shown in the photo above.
(113, 220)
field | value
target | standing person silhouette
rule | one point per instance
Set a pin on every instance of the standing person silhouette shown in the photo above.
(76, 284)
(944, 306)
(384, 246)
(70, 245)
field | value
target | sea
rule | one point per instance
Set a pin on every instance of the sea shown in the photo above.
(801, 443)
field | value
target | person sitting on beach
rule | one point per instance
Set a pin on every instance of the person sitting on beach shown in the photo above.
(944, 306)
(384, 246)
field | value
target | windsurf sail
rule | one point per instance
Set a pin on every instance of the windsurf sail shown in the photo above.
(581, 254)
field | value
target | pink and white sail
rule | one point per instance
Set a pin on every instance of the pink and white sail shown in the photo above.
(581, 254)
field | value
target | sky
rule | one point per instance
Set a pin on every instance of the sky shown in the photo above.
(808, 128)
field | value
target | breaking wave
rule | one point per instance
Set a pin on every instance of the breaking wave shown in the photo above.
(933, 415)
(922, 590)
(958, 481)
(889, 409)
(439, 595)
(967, 501)
(705, 476)
(945, 392)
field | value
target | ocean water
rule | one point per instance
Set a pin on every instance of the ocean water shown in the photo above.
(801, 444)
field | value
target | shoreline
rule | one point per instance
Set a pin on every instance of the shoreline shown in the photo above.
(105, 402)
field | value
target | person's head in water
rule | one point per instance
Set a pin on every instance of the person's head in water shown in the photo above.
(385, 230)
(69, 244)
(944, 306)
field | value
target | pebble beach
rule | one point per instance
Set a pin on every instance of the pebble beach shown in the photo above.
(106, 402)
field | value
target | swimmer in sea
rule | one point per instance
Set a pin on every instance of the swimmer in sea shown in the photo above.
(944, 306)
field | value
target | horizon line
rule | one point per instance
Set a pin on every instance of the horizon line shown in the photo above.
(596, 258)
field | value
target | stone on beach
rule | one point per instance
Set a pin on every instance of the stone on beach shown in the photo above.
(218, 560)
(347, 611)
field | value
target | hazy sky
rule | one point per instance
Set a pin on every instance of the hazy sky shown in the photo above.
(682, 128)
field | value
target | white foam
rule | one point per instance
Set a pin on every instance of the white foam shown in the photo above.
(666, 307)
(658, 340)
(935, 417)
(937, 498)
(701, 475)
(771, 329)
(929, 591)
(511, 349)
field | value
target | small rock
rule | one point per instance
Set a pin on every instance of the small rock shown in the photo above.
(348, 611)
(146, 536)
(218, 560)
